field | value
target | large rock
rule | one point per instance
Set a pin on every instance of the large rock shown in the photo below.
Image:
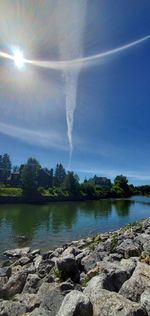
(112, 275)
(29, 300)
(71, 251)
(52, 299)
(75, 304)
(142, 239)
(145, 300)
(8, 308)
(90, 261)
(68, 268)
(39, 312)
(102, 281)
(14, 285)
(18, 252)
(106, 303)
(31, 285)
(37, 261)
(44, 267)
(24, 260)
(119, 272)
(139, 281)
(5, 272)
(41, 293)
(123, 272)
(129, 248)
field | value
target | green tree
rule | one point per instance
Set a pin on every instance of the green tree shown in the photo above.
(5, 168)
(88, 188)
(29, 177)
(59, 175)
(44, 178)
(121, 187)
(51, 181)
(71, 182)
(1, 169)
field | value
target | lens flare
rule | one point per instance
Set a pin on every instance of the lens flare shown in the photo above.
(18, 58)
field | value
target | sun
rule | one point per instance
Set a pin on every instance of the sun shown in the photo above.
(18, 58)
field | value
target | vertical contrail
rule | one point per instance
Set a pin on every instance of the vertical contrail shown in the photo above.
(71, 46)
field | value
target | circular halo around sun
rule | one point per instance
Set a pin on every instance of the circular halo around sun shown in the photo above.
(18, 58)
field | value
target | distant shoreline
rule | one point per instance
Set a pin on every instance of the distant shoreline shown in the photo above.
(43, 199)
(53, 199)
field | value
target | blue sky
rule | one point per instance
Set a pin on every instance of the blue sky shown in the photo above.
(111, 127)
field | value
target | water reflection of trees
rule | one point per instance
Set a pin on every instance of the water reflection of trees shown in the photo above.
(102, 208)
(63, 216)
(54, 218)
(122, 207)
(23, 220)
(26, 220)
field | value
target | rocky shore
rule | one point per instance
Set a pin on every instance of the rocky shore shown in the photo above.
(107, 275)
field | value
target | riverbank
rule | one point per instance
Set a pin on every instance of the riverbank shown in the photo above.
(43, 199)
(106, 274)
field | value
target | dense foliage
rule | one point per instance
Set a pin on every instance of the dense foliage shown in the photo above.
(31, 180)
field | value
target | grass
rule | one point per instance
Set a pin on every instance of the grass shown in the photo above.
(57, 273)
(84, 282)
(131, 225)
(10, 192)
(114, 241)
(92, 247)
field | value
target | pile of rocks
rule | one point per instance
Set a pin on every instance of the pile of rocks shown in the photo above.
(105, 275)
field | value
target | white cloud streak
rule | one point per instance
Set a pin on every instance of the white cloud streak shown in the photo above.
(34, 137)
(113, 173)
(79, 62)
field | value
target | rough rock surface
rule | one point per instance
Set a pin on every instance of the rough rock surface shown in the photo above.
(110, 303)
(107, 275)
(138, 283)
(75, 304)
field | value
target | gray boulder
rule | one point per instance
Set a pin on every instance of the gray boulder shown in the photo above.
(43, 290)
(68, 268)
(75, 304)
(113, 274)
(14, 285)
(24, 260)
(52, 299)
(102, 281)
(29, 300)
(37, 260)
(39, 312)
(128, 248)
(145, 300)
(120, 272)
(35, 252)
(5, 272)
(90, 261)
(31, 285)
(142, 238)
(106, 303)
(139, 281)
(45, 267)
(8, 308)
(18, 252)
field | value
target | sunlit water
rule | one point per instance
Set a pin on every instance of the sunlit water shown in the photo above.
(52, 225)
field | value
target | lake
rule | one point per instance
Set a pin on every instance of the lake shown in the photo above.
(52, 225)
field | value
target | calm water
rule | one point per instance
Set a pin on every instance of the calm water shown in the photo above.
(48, 226)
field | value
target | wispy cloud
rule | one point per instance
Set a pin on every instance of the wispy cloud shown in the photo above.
(33, 137)
(113, 173)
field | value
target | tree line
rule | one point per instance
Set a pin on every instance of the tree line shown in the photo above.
(35, 180)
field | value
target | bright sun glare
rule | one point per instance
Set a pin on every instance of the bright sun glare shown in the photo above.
(18, 58)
